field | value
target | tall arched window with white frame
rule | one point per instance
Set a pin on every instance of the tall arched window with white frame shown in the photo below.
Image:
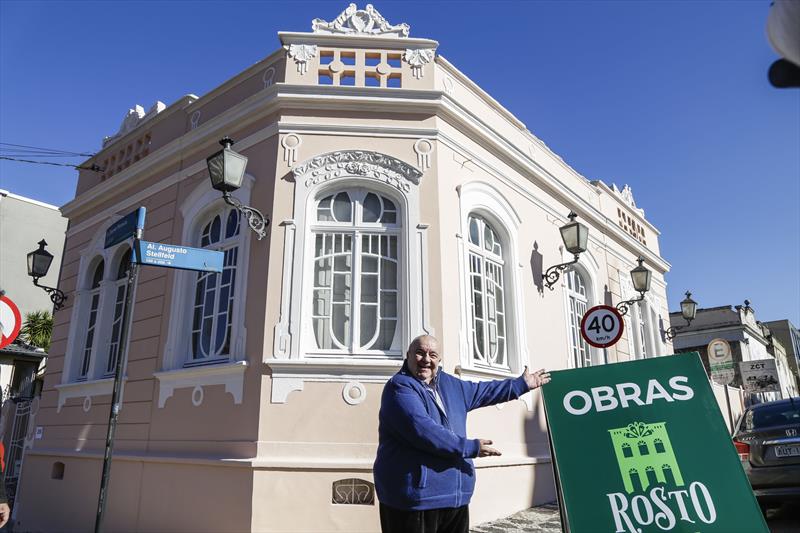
(487, 294)
(212, 313)
(91, 325)
(120, 292)
(356, 252)
(577, 304)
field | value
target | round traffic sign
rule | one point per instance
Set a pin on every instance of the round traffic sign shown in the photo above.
(10, 321)
(601, 326)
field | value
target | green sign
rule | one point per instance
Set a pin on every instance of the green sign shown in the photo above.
(641, 447)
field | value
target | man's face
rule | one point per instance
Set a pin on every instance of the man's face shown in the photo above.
(423, 358)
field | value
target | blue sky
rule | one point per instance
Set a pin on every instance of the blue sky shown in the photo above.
(669, 97)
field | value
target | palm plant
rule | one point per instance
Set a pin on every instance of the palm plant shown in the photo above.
(37, 328)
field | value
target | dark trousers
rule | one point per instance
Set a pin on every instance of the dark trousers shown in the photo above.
(449, 520)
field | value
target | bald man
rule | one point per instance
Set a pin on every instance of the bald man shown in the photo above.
(424, 475)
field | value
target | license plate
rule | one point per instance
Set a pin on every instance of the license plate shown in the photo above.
(787, 451)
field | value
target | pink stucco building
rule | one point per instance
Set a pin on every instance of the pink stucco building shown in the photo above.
(404, 199)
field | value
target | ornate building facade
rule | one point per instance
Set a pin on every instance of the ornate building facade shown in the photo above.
(404, 200)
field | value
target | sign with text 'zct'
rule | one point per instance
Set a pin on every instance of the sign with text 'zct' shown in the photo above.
(176, 256)
(760, 376)
(641, 447)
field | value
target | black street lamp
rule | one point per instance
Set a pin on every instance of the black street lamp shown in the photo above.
(38, 264)
(575, 236)
(226, 170)
(640, 277)
(688, 312)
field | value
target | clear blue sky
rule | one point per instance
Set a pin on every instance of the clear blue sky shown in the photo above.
(669, 97)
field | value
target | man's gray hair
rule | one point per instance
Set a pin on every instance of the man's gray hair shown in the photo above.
(415, 342)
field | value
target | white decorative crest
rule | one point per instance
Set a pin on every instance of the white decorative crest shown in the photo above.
(354, 21)
(302, 54)
(133, 118)
(626, 194)
(417, 59)
(358, 163)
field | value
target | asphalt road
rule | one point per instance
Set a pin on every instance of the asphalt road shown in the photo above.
(785, 519)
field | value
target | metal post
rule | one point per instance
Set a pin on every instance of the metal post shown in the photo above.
(562, 507)
(728, 402)
(116, 396)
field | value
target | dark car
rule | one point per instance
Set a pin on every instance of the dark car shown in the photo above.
(768, 441)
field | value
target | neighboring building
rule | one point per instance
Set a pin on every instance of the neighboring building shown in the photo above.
(404, 200)
(23, 223)
(750, 340)
(789, 338)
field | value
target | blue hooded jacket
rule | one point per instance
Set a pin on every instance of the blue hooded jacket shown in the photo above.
(424, 457)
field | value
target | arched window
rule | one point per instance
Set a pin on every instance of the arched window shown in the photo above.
(659, 445)
(626, 450)
(652, 477)
(485, 259)
(577, 303)
(120, 291)
(643, 449)
(91, 326)
(212, 313)
(356, 257)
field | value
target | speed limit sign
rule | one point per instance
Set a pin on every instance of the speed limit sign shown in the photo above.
(601, 326)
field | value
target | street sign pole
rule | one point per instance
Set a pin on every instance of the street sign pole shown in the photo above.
(116, 396)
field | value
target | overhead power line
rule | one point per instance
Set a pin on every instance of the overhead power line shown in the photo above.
(93, 167)
(20, 148)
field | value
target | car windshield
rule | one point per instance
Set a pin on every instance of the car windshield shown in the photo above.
(772, 416)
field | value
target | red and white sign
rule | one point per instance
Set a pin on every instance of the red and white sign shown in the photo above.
(602, 326)
(10, 321)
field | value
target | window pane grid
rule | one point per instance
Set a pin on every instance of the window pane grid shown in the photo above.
(212, 314)
(487, 297)
(355, 295)
(87, 347)
(577, 304)
(116, 326)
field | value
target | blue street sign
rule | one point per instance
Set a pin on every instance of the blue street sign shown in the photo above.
(176, 256)
(125, 228)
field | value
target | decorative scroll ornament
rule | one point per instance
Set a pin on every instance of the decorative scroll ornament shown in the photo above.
(417, 59)
(269, 77)
(353, 491)
(290, 143)
(423, 149)
(354, 21)
(194, 121)
(302, 54)
(358, 163)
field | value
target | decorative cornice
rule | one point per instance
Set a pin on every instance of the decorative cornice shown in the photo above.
(133, 118)
(357, 163)
(354, 21)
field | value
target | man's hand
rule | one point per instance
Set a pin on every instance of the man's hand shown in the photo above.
(537, 379)
(5, 513)
(487, 450)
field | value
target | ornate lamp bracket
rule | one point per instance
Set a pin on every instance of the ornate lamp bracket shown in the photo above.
(554, 272)
(255, 219)
(57, 296)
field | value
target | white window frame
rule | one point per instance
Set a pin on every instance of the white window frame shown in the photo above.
(573, 320)
(178, 369)
(487, 202)
(96, 382)
(292, 363)
(357, 230)
(589, 269)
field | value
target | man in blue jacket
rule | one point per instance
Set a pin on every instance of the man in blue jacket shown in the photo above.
(424, 474)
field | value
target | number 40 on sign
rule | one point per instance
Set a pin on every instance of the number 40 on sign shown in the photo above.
(602, 326)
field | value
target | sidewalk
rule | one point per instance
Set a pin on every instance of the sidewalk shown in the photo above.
(543, 519)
